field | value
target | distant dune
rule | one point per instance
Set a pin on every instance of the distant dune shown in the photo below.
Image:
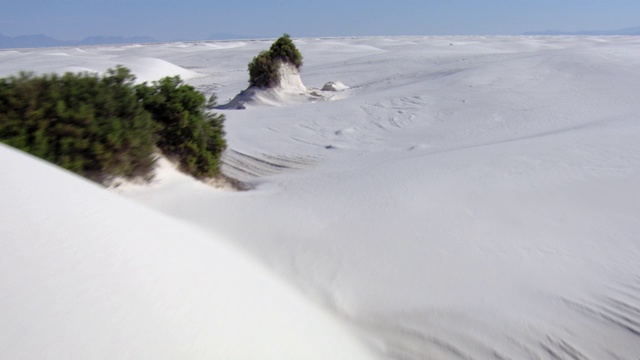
(625, 31)
(37, 41)
(229, 36)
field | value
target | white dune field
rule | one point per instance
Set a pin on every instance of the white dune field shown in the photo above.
(463, 198)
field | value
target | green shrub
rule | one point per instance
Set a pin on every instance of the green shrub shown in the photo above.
(284, 50)
(92, 126)
(188, 132)
(263, 69)
(105, 127)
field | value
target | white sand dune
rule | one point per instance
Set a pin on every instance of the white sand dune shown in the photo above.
(289, 90)
(471, 197)
(225, 45)
(89, 275)
(93, 60)
(150, 69)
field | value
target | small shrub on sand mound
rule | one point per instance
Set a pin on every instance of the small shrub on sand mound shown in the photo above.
(263, 69)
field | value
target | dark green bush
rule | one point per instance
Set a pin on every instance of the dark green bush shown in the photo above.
(188, 132)
(92, 126)
(104, 127)
(284, 50)
(263, 69)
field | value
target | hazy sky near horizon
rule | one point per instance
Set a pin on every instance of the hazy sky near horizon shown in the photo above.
(199, 19)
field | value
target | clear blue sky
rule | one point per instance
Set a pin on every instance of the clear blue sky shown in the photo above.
(198, 19)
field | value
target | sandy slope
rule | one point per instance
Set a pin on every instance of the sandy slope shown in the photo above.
(467, 197)
(87, 274)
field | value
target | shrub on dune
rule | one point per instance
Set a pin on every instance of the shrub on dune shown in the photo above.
(263, 69)
(187, 131)
(107, 127)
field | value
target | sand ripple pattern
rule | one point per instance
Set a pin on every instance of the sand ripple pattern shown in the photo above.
(245, 167)
(589, 331)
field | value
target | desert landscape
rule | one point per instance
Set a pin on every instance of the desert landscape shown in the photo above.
(445, 197)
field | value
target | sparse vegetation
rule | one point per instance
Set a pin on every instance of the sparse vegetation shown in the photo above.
(187, 131)
(263, 69)
(106, 127)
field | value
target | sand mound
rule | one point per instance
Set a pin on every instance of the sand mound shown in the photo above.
(150, 69)
(291, 90)
(334, 86)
